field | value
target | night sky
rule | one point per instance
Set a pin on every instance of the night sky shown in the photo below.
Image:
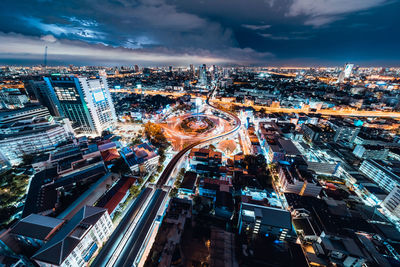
(180, 32)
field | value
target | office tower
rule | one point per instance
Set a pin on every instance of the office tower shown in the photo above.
(192, 70)
(345, 74)
(86, 102)
(203, 75)
(136, 68)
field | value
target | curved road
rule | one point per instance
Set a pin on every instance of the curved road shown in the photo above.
(133, 246)
(171, 165)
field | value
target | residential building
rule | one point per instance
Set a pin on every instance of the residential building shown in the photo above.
(188, 185)
(140, 158)
(315, 133)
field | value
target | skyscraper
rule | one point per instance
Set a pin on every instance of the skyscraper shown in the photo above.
(41, 93)
(203, 75)
(192, 70)
(345, 74)
(86, 102)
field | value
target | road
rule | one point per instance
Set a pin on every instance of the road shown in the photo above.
(137, 238)
(327, 112)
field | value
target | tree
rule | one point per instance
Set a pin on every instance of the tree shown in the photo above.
(120, 166)
(134, 190)
(173, 192)
(27, 159)
(160, 168)
(136, 141)
(155, 135)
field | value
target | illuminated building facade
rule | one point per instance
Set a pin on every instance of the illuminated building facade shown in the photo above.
(86, 102)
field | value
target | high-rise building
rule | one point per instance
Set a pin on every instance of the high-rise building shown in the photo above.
(41, 93)
(345, 74)
(137, 68)
(86, 102)
(192, 70)
(203, 75)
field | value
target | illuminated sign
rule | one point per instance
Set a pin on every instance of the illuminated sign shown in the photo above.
(98, 96)
(117, 87)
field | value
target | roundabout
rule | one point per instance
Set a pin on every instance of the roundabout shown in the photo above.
(197, 124)
(188, 128)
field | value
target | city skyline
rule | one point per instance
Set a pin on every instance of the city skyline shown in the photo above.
(279, 33)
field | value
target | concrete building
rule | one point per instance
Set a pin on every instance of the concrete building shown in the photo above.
(13, 98)
(317, 133)
(26, 113)
(371, 152)
(260, 220)
(385, 174)
(42, 93)
(86, 102)
(35, 230)
(31, 140)
(344, 130)
(301, 182)
(140, 158)
(78, 240)
(392, 201)
(188, 185)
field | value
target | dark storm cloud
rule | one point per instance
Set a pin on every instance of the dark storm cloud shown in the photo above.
(215, 31)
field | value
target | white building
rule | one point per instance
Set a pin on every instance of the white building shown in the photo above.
(99, 102)
(392, 201)
(26, 113)
(78, 240)
(15, 145)
(86, 102)
(383, 173)
(371, 152)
